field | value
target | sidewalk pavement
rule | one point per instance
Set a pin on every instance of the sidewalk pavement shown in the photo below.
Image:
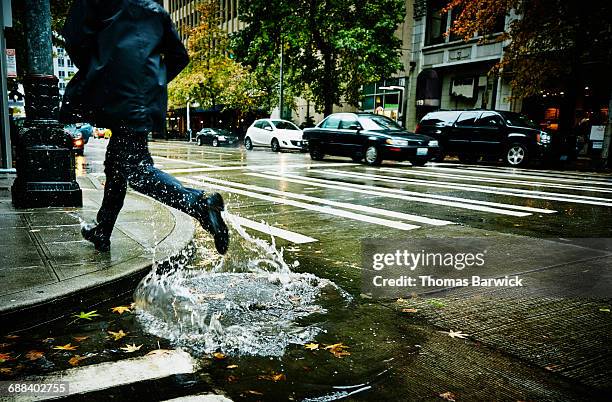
(46, 266)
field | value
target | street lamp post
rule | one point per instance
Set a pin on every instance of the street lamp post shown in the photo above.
(45, 162)
(401, 103)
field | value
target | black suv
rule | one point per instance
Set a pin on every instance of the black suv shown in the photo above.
(491, 134)
(369, 137)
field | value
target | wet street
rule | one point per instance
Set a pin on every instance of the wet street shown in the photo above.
(321, 335)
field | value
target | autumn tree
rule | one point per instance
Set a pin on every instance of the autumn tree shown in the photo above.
(333, 47)
(552, 45)
(212, 78)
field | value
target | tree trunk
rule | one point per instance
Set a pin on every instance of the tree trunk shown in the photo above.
(328, 84)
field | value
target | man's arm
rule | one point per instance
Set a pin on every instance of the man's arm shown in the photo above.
(175, 54)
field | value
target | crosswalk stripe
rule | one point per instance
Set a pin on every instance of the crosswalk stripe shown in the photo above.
(259, 167)
(274, 231)
(492, 180)
(325, 210)
(520, 170)
(482, 206)
(183, 161)
(531, 194)
(345, 205)
(519, 176)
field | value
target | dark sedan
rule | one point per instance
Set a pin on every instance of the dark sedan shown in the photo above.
(369, 137)
(216, 137)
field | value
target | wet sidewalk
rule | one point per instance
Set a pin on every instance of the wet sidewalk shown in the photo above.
(45, 264)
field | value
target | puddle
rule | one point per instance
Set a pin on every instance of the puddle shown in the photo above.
(249, 302)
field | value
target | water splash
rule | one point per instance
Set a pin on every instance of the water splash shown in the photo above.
(248, 302)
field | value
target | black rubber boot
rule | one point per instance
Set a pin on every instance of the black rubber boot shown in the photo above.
(208, 213)
(100, 241)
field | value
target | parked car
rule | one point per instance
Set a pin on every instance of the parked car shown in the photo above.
(369, 137)
(215, 137)
(472, 134)
(274, 133)
(78, 142)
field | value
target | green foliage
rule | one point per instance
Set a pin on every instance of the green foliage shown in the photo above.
(212, 77)
(331, 47)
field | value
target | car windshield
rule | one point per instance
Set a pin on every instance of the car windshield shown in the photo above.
(284, 125)
(222, 131)
(518, 120)
(376, 122)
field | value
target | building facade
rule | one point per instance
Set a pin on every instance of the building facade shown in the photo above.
(63, 67)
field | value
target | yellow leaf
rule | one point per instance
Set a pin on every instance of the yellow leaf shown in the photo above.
(338, 349)
(117, 335)
(65, 347)
(5, 357)
(131, 348)
(219, 356)
(232, 366)
(79, 338)
(87, 316)
(121, 309)
(75, 360)
(11, 336)
(409, 310)
(34, 355)
(448, 396)
(312, 346)
(6, 370)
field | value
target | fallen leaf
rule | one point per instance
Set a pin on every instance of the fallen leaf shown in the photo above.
(11, 336)
(232, 366)
(75, 360)
(34, 355)
(121, 309)
(5, 357)
(338, 349)
(604, 310)
(87, 316)
(455, 334)
(79, 338)
(117, 335)
(409, 310)
(448, 396)
(312, 346)
(6, 370)
(65, 347)
(252, 392)
(273, 377)
(131, 348)
(219, 356)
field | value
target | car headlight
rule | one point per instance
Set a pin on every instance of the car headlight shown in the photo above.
(397, 143)
(221, 138)
(433, 143)
(544, 137)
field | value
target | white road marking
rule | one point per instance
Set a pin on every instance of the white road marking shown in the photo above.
(345, 205)
(517, 170)
(492, 180)
(316, 208)
(521, 175)
(260, 167)
(454, 202)
(274, 231)
(543, 195)
(183, 161)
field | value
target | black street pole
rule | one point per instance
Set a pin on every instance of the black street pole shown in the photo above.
(45, 162)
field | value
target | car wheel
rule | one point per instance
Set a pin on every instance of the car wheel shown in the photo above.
(200, 141)
(468, 158)
(372, 156)
(275, 145)
(357, 158)
(215, 142)
(315, 152)
(419, 162)
(516, 155)
(439, 157)
(248, 144)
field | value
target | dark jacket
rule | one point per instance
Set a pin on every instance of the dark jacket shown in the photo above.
(126, 52)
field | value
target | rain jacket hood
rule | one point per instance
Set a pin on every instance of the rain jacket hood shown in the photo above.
(126, 52)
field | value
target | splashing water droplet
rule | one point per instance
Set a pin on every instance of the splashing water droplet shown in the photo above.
(247, 302)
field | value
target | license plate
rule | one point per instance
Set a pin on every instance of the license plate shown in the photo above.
(421, 151)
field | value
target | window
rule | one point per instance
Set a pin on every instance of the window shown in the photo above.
(266, 126)
(60, 62)
(62, 86)
(61, 74)
(490, 119)
(331, 122)
(284, 125)
(377, 122)
(467, 119)
(348, 122)
(69, 62)
(436, 22)
(258, 124)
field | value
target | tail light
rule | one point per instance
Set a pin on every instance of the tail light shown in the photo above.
(417, 128)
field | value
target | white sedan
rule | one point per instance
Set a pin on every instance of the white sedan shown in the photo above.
(274, 133)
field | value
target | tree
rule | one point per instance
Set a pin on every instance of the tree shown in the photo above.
(212, 78)
(554, 45)
(333, 47)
